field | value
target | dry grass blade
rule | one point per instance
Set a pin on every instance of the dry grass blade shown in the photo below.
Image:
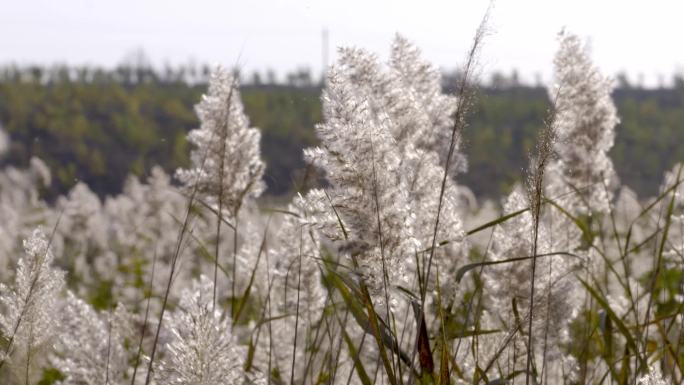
(465, 269)
(631, 343)
(427, 365)
(659, 257)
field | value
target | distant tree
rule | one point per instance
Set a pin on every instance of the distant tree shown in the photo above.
(271, 77)
(256, 78)
(678, 81)
(623, 81)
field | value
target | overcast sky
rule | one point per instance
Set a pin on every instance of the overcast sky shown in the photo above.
(638, 37)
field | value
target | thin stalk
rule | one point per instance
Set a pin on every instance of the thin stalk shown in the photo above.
(462, 104)
(535, 212)
(385, 276)
(29, 342)
(536, 192)
(147, 314)
(109, 345)
(216, 254)
(222, 165)
(235, 252)
(270, 315)
(174, 262)
(299, 286)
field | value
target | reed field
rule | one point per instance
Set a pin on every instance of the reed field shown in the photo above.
(383, 268)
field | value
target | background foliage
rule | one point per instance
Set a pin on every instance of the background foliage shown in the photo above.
(96, 126)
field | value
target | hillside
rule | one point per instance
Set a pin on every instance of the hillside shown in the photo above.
(99, 131)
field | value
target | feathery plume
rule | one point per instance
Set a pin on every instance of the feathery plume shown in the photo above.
(28, 307)
(585, 124)
(297, 295)
(202, 350)
(652, 378)
(362, 164)
(383, 134)
(556, 301)
(227, 167)
(93, 349)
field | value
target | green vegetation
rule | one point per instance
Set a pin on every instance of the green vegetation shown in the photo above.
(100, 130)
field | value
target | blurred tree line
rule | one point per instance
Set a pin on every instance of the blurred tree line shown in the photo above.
(100, 125)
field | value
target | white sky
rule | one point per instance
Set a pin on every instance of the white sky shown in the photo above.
(639, 37)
